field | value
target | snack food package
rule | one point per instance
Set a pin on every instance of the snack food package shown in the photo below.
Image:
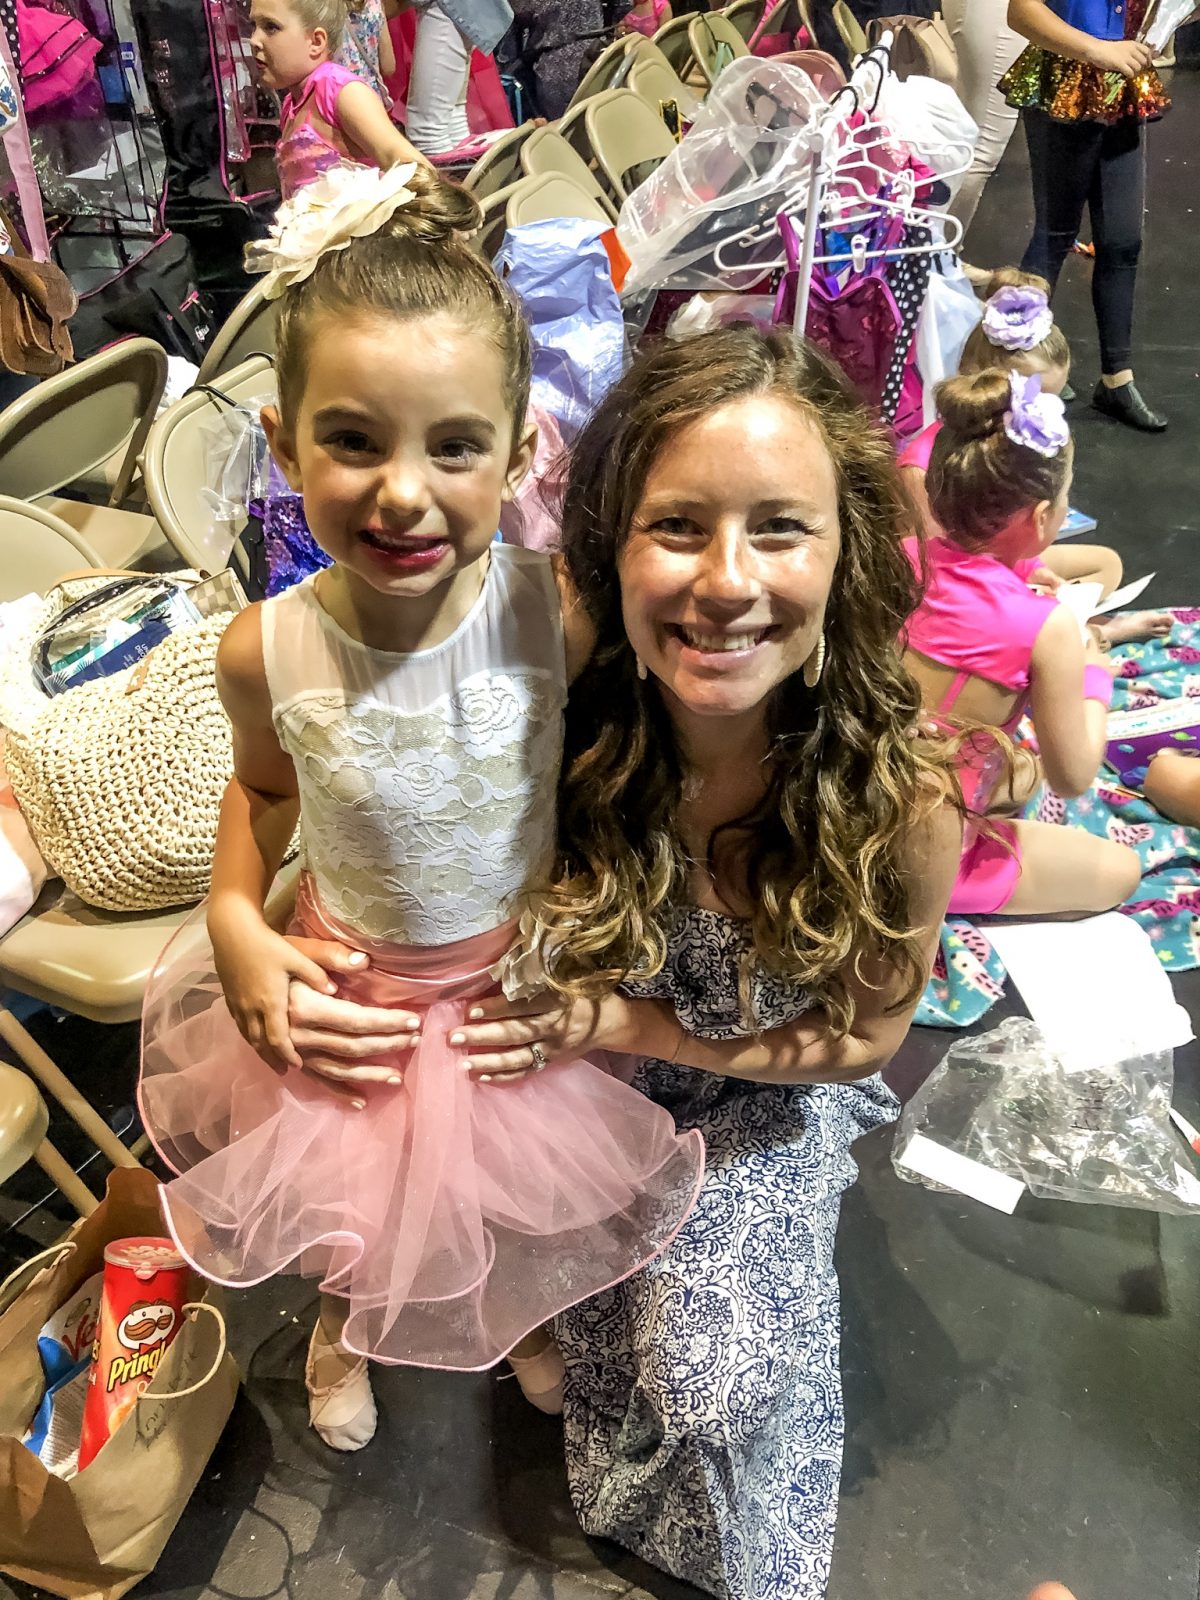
(141, 1311)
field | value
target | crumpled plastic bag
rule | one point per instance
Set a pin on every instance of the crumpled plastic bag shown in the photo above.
(948, 317)
(563, 275)
(237, 465)
(1098, 1133)
(933, 122)
(741, 160)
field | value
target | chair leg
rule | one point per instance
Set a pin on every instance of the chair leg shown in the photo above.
(57, 1084)
(60, 1172)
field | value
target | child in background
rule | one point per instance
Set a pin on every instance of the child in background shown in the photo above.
(986, 647)
(646, 17)
(366, 47)
(405, 704)
(1018, 333)
(328, 116)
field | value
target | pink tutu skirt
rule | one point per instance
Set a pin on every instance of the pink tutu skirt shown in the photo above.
(454, 1217)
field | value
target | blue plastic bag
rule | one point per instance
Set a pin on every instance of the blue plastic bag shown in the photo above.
(561, 271)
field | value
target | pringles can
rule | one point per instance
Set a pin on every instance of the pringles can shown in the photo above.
(141, 1311)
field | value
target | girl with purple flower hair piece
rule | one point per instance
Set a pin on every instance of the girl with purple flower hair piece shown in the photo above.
(1017, 332)
(987, 648)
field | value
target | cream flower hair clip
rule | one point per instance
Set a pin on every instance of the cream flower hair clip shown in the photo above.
(347, 202)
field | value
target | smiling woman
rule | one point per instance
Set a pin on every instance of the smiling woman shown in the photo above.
(750, 835)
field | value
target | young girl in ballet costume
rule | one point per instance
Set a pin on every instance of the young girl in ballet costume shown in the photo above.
(328, 115)
(985, 646)
(1018, 333)
(406, 706)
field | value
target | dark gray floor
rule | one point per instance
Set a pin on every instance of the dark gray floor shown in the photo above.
(1021, 1392)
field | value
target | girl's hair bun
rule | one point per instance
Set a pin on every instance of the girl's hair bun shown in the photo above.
(973, 406)
(438, 211)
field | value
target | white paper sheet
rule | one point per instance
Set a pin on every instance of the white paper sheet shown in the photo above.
(1081, 599)
(931, 1160)
(1120, 598)
(1095, 988)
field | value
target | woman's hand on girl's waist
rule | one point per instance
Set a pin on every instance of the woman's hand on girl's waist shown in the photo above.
(508, 1039)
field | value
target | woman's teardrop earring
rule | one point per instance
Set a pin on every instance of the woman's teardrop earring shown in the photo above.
(641, 667)
(815, 664)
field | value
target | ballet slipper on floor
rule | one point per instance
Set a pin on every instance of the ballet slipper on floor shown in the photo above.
(541, 1378)
(343, 1413)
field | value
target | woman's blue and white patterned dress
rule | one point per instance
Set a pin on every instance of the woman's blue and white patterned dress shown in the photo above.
(703, 1408)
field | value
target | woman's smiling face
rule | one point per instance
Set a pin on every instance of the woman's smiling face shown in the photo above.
(730, 558)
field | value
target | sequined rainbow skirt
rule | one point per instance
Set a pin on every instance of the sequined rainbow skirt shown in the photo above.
(1071, 91)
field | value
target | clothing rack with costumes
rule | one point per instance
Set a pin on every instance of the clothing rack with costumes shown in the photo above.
(827, 215)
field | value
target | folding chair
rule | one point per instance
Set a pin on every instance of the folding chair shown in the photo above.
(675, 43)
(174, 466)
(602, 73)
(249, 330)
(37, 549)
(500, 164)
(653, 80)
(627, 138)
(546, 152)
(715, 42)
(538, 199)
(67, 429)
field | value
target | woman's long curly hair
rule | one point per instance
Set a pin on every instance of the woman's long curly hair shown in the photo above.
(823, 858)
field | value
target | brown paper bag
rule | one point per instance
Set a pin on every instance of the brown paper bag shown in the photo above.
(94, 1536)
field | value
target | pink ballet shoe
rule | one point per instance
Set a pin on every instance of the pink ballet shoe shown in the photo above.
(343, 1413)
(541, 1378)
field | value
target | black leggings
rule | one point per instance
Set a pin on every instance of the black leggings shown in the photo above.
(1074, 164)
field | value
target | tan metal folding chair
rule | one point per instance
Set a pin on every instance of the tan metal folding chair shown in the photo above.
(601, 74)
(627, 139)
(64, 432)
(175, 470)
(745, 15)
(24, 1121)
(37, 549)
(537, 199)
(500, 164)
(714, 39)
(248, 330)
(675, 43)
(653, 80)
(546, 152)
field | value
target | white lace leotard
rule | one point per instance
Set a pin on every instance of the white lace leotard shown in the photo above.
(427, 780)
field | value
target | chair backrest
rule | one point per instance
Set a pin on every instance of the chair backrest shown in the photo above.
(653, 79)
(175, 469)
(536, 199)
(673, 40)
(546, 151)
(500, 163)
(248, 330)
(850, 29)
(627, 138)
(601, 73)
(70, 425)
(37, 549)
(715, 42)
(745, 16)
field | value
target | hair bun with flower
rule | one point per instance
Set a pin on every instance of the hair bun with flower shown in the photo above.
(1036, 421)
(1018, 317)
(347, 202)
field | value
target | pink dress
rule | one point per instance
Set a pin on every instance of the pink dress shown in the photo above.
(646, 25)
(980, 618)
(310, 141)
(453, 1217)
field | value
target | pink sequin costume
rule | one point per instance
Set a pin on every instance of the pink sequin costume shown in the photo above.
(310, 140)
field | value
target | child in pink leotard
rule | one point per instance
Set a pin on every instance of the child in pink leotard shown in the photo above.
(645, 17)
(986, 647)
(328, 116)
(1018, 333)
